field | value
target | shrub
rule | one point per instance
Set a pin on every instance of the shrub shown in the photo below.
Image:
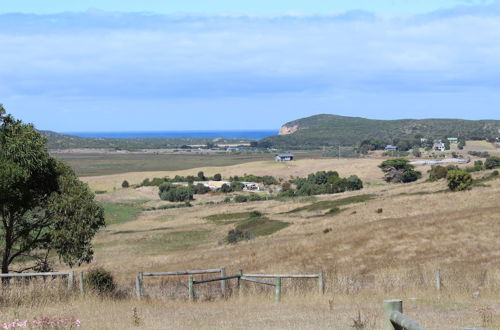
(201, 176)
(100, 281)
(494, 173)
(399, 170)
(217, 177)
(236, 235)
(458, 180)
(437, 173)
(200, 189)
(172, 193)
(125, 184)
(225, 188)
(492, 162)
(483, 154)
(237, 186)
(380, 210)
(240, 199)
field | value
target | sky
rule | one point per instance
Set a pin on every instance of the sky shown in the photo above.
(229, 65)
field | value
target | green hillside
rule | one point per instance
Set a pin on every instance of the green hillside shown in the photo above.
(63, 141)
(331, 130)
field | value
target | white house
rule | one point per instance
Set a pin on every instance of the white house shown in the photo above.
(439, 146)
(390, 147)
(284, 157)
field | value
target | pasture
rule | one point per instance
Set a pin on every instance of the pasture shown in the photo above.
(385, 241)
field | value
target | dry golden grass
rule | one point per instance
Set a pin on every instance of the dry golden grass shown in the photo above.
(366, 169)
(368, 256)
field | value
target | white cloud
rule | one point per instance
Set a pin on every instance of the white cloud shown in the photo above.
(137, 56)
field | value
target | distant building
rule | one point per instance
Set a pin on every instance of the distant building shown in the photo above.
(423, 140)
(439, 146)
(250, 186)
(284, 157)
(390, 147)
(453, 140)
(233, 149)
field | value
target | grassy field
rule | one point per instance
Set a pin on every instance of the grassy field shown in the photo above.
(92, 164)
(382, 242)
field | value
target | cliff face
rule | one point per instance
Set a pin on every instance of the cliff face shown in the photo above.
(285, 130)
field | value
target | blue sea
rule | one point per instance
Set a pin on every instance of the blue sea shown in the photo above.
(250, 134)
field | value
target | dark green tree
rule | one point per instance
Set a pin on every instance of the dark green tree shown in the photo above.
(125, 184)
(201, 176)
(217, 177)
(492, 162)
(458, 180)
(43, 205)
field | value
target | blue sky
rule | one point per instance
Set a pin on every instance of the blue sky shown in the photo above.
(246, 65)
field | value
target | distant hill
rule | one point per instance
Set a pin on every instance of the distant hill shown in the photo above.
(64, 141)
(331, 130)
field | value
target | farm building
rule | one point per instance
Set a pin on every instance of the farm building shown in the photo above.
(284, 157)
(453, 140)
(439, 146)
(390, 147)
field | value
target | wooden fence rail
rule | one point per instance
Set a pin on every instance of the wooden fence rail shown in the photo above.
(320, 277)
(395, 319)
(139, 280)
(70, 276)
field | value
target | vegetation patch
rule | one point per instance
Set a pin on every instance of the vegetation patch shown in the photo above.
(324, 205)
(228, 218)
(120, 213)
(261, 226)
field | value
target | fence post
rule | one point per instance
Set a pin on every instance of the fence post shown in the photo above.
(138, 285)
(389, 307)
(438, 279)
(277, 290)
(240, 282)
(223, 283)
(191, 288)
(321, 283)
(81, 284)
(70, 280)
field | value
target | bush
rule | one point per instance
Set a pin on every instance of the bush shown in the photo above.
(437, 173)
(236, 235)
(172, 193)
(200, 189)
(237, 186)
(217, 177)
(125, 184)
(100, 281)
(458, 180)
(240, 199)
(483, 154)
(492, 162)
(225, 188)
(399, 170)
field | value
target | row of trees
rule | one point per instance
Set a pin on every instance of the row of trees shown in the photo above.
(44, 208)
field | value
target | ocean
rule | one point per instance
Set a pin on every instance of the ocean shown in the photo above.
(245, 134)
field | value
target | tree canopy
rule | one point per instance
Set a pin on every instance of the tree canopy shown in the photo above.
(44, 208)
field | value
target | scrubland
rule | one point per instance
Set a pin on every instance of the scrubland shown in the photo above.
(385, 241)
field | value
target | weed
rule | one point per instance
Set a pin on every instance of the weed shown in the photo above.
(136, 319)
(380, 210)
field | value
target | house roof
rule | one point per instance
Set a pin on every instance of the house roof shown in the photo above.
(285, 155)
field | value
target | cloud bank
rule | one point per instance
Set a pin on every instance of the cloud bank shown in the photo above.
(339, 63)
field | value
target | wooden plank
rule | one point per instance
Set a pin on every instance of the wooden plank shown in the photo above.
(405, 322)
(282, 275)
(394, 305)
(138, 285)
(187, 272)
(71, 276)
(223, 283)
(249, 279)
(321, 283)
(81, 283)
(191, 288)
(216, 279)
(35, 274)
(277, 290)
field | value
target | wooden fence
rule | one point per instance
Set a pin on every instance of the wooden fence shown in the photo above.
(69, 275)
(139, 280)
(242, 277)
(394, 319)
